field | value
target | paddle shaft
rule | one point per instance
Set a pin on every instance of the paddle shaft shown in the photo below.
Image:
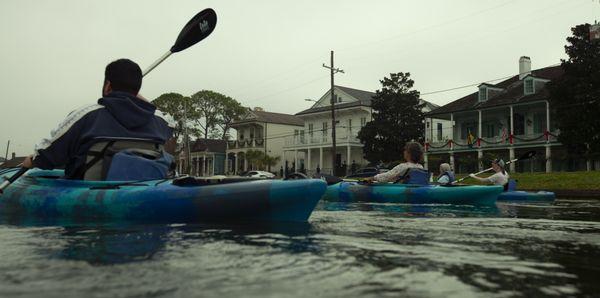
(486, 170)
(156, 63)
(12, 179)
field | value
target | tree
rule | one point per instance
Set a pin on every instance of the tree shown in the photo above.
(575, 97)
(397, 119)
(270, 161)
(214, 112)
(255, 158)
(172, 104)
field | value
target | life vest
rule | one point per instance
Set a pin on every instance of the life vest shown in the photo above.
(416, 176)
(450, 175)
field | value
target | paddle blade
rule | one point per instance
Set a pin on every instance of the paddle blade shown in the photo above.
(197, 29)
(527, 155)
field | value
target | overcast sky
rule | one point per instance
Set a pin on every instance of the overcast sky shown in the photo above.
(265, 53)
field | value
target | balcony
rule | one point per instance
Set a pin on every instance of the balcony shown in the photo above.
(494, 142)
(242, 144)
(320, 140)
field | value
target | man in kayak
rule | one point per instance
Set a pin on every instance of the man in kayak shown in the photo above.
(446, 174)
(120, 113)
(413, 154)
(499, 178)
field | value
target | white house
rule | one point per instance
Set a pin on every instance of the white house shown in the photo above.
(310, 147)
(504, 120)
(260, 130)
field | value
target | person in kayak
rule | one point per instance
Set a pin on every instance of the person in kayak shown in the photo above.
(446, 174)
(413, 154)
(120, 113)
(498, 178)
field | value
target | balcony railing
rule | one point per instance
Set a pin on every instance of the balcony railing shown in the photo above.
(250, 143)
(300, 141)
(493, 142)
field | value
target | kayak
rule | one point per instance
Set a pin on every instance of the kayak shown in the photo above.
(43, 195)
(519, 195)
(412, 194)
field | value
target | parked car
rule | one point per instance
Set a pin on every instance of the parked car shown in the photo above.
(367, 172)
(258, 174)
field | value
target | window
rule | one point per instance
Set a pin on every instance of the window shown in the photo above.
(439, 131)
(539, 123)
(350, 126)
(489, 131)
(324, 128)
(529, 88)
(482, 94)
(310, 129)
(363, 121)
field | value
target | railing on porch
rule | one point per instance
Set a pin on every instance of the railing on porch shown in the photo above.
(497, 141)
(250, 143)
(300, 141)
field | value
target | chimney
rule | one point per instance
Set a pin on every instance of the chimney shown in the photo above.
(258, 109)
(524, 66)
(13, 155)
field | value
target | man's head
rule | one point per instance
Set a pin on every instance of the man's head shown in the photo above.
(122, 75)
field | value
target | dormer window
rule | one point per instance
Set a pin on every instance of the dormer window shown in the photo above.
(482, 94)
(529, 86)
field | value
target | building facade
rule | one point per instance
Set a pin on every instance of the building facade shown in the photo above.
(310, 147)
(207, 158)
(260, 130)
(504, 120)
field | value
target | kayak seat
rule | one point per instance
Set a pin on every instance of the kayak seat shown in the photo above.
(416, 176)
(100, 156)
(512, 185)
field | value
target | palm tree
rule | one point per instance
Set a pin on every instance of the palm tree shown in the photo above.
(255, 157)
(270, 161)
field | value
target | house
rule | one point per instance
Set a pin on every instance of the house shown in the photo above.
(207, 158)
(503, 120)
(311, 146)
(14, 162)
(260, 130)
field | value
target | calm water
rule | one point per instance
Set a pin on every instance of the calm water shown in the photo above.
(346, 250)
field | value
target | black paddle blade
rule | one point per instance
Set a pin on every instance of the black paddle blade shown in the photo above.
(197, 29)
(527, 155)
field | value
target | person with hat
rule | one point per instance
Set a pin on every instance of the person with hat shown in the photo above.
(499, 178)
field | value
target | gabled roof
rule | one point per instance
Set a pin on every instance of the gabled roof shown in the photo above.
(209, 145)
(512, 93)
(363, 98)
(269, 117)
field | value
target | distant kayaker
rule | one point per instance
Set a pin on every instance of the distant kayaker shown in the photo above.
(120, 113)
(499, 178)
(446, 174)
(413, 154)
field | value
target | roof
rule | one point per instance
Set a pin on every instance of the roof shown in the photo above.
(12, 163)
(512, 92)
(269, 117)
(209, 145)
(364, 99)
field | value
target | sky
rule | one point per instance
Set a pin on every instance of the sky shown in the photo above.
(263, 53)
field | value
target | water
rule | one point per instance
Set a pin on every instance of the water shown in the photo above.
(366, 250)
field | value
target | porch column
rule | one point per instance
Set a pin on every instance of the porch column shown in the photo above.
(452, 125)
(452, 162)
(235, 169)
(511, 156)
(204, 166)
(245, 163)
(295, 160)
(321, 158)
(548, 159)
(425, 124)
(512, 131)
(348, 158)
(479, 158)
(197, 168)
(479, 124)
(426, 161)
(213, 164)
(548, 118)
(308, 166)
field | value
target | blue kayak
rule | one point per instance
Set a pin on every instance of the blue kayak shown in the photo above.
(518, 195)
(412, 194)
(43, 195)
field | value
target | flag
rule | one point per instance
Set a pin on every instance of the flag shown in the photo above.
(470, 139)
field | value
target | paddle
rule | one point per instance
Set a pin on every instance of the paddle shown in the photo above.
(525, 156)
(196, 29)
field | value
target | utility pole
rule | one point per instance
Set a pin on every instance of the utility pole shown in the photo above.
(7, 146)
(333, 71)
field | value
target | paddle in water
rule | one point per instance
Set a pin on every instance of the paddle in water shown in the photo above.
(525, 156)
(196, 29)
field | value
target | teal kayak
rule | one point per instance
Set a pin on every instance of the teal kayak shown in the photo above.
(44, 196)
(519, 195)
(412, 194)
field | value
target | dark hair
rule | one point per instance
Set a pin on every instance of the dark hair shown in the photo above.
(415, 151)
(124, 75)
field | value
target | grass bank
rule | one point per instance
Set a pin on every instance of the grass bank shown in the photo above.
(555, 181)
